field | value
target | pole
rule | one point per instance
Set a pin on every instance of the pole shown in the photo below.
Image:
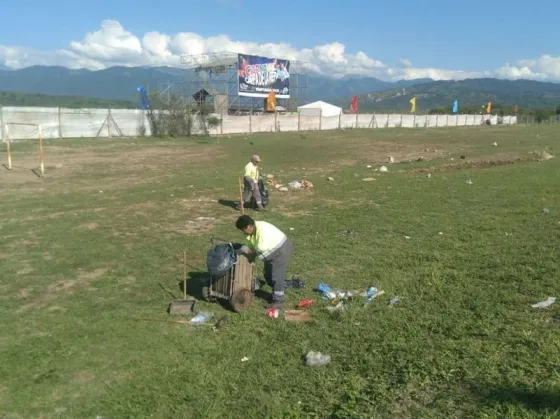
(340, 120)
(2, 134)
(298, 120)
(41, 162)
(320, 118)
(109, 118)
(59, 123)
(357, 114)
(275, 121)
(250, 122)
(241, 203)
(8, 147)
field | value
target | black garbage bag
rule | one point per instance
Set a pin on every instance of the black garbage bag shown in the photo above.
(220, 259)
(264, 192)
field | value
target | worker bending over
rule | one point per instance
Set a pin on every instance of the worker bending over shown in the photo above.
(251, 182)
(273, 247)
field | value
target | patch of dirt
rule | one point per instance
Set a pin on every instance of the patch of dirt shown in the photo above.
(62, 287)
(195, 228)
(88, 226)
(83, 377)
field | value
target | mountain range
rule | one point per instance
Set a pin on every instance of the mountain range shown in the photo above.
(118, 84)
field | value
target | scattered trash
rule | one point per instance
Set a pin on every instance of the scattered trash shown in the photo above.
(470, 182)
(272, 313)
(368, 166)
(495, 144)
(201, 318)
(429, 175)
(100, 191)
(244, 359)
(441, 233)
(390, 159)
(368, 179)
(292, 229)
(283, 189)
(222, 321)
(345, 233)
(545, 304)
(339, 307)
(308, 302)
(546, 210)
(383, 169)
(317, 359)
(394, 300)
(294, 282)
(205, 218)
(371, 294)
(295, 185)
(270, 176)
(330, 178)
(297, 316)
(407, 237)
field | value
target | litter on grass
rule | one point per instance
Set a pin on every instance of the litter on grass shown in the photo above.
(545, 304)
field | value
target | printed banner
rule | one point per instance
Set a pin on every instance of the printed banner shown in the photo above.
(259, 76)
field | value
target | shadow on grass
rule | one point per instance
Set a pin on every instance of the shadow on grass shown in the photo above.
(536, 400)
(230, 204)
(196, 281)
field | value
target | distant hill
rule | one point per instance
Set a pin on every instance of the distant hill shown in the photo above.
(120, 83)
(116, 87)
(37, 99)
(470, 92)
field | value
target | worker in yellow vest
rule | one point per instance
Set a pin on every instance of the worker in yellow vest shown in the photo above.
(273, 247)
(251, 182)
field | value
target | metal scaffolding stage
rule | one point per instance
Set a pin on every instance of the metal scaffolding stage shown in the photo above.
(214, 80)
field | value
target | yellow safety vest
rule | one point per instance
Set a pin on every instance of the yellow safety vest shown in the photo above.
(266, 239)
(252, 171)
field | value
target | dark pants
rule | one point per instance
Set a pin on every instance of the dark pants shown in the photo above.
(275, 270)
(251, 190)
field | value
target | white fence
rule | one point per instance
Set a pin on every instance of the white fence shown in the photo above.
(22, 122)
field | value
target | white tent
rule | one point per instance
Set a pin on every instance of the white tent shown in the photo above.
(320, 107)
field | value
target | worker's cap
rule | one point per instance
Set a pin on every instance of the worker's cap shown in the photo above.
(256, 158)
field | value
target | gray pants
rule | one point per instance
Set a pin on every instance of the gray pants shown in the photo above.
(275, 270)
(251, 190)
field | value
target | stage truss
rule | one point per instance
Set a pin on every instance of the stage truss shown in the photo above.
(217, 74)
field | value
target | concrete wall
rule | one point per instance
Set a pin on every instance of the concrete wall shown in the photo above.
(23, 122)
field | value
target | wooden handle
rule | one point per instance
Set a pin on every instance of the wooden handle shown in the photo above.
(185, 274)
(241, 203)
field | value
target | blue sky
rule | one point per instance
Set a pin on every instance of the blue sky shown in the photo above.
(471, 36)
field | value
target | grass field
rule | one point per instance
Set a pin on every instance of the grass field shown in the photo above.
(98, 243)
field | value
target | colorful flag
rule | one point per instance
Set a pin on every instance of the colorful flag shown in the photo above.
(455, 106)
(489, 107)
(413, 105)
(355, 104)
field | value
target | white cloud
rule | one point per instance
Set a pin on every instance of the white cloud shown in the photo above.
(405, 63)
(113, 45)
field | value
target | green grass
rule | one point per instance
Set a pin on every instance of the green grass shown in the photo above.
(78, 266)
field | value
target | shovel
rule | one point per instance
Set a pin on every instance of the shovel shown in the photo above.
(185, 305)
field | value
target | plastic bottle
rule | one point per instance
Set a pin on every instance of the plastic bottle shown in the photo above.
(317, 359)
(201, 318)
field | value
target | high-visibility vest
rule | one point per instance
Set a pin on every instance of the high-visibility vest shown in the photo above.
(266, 239)
(252, 171)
